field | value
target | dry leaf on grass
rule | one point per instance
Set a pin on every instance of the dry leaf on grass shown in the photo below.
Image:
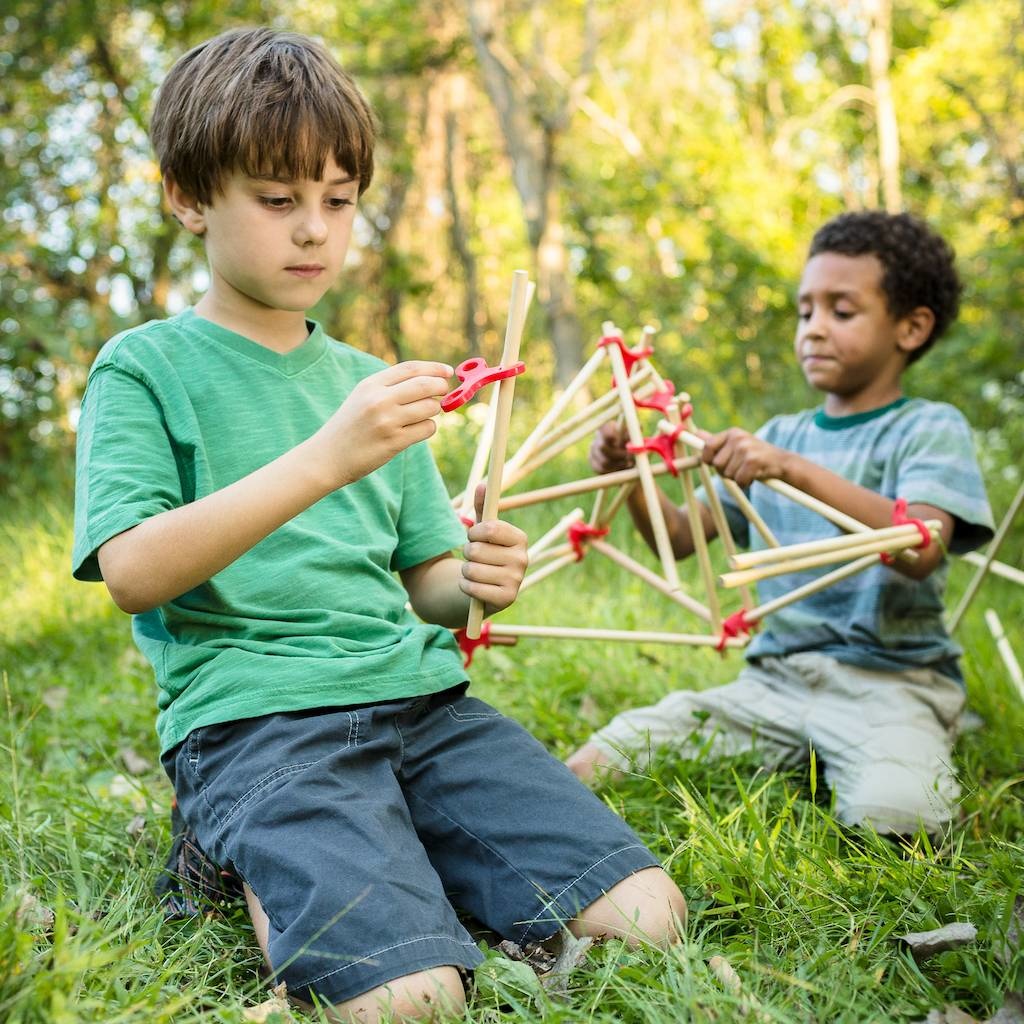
(572, 954)
(33, 915)
(951, 936)
(726, 975)
(55, 697)
(133, 762)
(1011, 1012)
(275, 1008)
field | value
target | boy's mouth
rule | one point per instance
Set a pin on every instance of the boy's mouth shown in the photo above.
(305, 269)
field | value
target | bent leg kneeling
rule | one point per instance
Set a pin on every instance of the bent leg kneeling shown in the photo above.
(646, 907)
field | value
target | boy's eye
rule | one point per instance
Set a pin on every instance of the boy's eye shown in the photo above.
(844, 314)
(339, 202)
(803, 314)
(275, 202)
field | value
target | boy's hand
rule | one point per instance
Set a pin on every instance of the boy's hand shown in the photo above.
(608, 450)
(743, 457)
(496, 559)
(383, 415)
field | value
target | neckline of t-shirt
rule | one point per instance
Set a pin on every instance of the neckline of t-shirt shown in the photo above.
(287, 363)
(826, 422)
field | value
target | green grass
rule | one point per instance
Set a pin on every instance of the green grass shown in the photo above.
(805, 912)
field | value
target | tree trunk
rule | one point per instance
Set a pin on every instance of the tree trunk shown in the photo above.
(879, 59)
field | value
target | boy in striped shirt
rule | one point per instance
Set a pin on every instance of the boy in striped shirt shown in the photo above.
(863, 671)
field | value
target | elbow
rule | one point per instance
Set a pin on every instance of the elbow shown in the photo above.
(127, 598)
(121, 576)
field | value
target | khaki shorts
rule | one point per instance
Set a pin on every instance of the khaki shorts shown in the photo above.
(885, 737)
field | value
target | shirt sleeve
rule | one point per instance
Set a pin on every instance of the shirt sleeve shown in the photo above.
(125, 469)
(938, 466)
(427, 523)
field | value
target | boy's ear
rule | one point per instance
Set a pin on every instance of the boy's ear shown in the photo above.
(915, 329)
(186, 208)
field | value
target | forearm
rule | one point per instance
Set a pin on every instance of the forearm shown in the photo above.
(677, 522)
(435, 594)
(867, 506)
(170, 553)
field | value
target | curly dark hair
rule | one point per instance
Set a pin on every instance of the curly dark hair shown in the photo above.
(918, 265)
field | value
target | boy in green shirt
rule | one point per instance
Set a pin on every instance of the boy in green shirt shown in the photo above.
(248, 488)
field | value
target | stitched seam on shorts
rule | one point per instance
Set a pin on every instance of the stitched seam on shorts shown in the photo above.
(249, 795)
(486, 845)
(553, 901)
(386, 949)
(460, 717)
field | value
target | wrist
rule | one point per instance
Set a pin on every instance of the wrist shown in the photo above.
(319, 467)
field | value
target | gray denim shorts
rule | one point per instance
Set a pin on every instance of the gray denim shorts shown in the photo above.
(362, 829)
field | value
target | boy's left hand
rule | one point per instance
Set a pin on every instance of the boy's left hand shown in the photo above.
(496, 559)
(743, 457)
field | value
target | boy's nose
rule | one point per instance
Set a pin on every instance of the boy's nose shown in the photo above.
(312, 231)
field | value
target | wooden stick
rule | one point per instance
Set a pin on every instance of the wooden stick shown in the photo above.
(584, 486)
(850, 569)
(556, 532)
(601, 516)
(547, 453)
(549, 553)
(610, 400)
(518, 301)
(737, 494)
(652, 579)
(1005, 650)
(561, 403)
(762, 572)
(997, 568)
(767, 556)
(548, 570)
(700, 542)
(467, 509)
(622, 635)
(643, 467)
(990, 554)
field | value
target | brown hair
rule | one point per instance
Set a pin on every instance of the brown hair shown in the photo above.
(264, 103)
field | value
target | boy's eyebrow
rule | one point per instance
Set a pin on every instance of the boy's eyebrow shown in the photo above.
(839, 293)
(285, 180)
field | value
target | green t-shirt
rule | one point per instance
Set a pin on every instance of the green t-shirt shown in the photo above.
(313, 615)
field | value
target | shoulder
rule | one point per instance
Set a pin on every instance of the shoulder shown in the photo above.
(136, 350)
(924, 414)
(779, 429)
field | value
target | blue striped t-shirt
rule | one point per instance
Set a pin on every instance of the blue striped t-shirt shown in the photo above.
(879, 619)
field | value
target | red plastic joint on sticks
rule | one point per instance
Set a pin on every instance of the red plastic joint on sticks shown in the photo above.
(734, 625)
(900, 518)
(630, 356)
(467, 521)
(660, 400)
(663, 445)
(468, 647)
(578, 531)
(476, 374)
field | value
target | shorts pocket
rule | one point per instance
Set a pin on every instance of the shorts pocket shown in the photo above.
(264, 786)
(470, 709)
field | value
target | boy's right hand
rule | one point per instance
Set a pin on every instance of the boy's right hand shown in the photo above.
(383, 415)
(608, 452)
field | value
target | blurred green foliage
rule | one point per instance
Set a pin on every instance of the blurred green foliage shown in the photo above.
(701, 150)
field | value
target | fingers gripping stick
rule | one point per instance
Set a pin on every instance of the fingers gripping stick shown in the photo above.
(476, 374)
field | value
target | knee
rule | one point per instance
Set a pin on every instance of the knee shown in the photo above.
(646, 908)
(433, 995)
(898, 802)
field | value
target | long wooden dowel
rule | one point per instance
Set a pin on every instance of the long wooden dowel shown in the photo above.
(574, 386)
(467, 508)
(533, 578)
(549, 452)
(557, 532)
(602, 515)
(990, 554)
(850, 569)
(586, 485)
(997, 568)
(700, 542)
(652, 579)
(833, 515)
(615, 635)
(1005, 650)
(549, 553)
(640, 379)
(769, 556)
(890, 545)
(643, 466)
(518, 302)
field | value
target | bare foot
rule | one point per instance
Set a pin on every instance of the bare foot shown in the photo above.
(590, 762)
